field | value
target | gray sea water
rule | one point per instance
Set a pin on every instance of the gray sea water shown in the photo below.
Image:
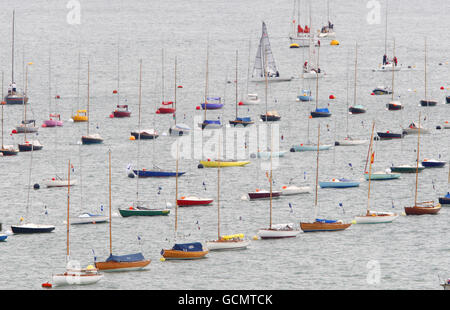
(410, 253)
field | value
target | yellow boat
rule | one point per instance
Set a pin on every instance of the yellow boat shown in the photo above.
(81, 116)
(226, 163)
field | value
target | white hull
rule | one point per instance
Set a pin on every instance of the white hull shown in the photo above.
(251, 101)
(411, 131)
(75, 279)
(272, 79)
(349, 142)
(59, 183)
(177, 130)
(230, 245)
(295, 190)
(89, 219)
(376, 218)
(276, 232)
(387, 68)
(329, 35)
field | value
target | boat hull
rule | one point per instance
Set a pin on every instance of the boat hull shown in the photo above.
(16, 99)
(3, 237)
(144, 135)
(91, 140)
(134, 212)
(263, 195)
(227, 245)
(28, 147)
(165, 111)
(332, 184)
(294, 190)
(277, 234)
(428, 103)
(32, 229)
(215, 164)
(444, 201)
(399, 169)
(212, 106)
(75, 279)
(421, 210)
(310, 148)
(59, 183)
(122, 114)
(113, 266)
(98, 219)
(53, 123)
(183, 255)
(354, 110)
(237, 123)
(376, 219)
(193, 202)
(9, 152)
(433, 164)
(382, 177)
(270, 118)
(315, 114)
(389, 136)
(318, 226)
(156, 174)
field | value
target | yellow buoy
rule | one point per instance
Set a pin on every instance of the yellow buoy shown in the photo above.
(162, 259)
(255, 237)
(294, 45)
(132, 138)
(353, 222)
(90, 267)
(334, 42)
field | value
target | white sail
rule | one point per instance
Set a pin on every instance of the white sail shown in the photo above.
(264, 49)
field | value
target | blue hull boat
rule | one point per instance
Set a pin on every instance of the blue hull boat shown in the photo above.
(306, 96)
(156, 174)
(339, 183)
(433, 164)
(3, 237)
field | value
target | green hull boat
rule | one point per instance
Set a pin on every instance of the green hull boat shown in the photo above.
(382, 176)
(149, 212)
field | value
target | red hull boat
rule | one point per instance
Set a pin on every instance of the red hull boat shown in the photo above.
(193, 201)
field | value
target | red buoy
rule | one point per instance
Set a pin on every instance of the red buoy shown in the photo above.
(14, 131)
(111, 115)
(197, 107)
(114, 91)
(442, 87)
(372, 94)
(332, 97)
(179, 86)
(57, 97)
(241, 103)
(47, 285)
(43, 125)
(157, 112)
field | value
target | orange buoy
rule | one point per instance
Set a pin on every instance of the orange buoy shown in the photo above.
(3, 102)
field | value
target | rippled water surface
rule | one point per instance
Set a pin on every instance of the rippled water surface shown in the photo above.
(411, 253)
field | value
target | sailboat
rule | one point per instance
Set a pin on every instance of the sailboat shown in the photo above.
(25, 227)
(6, 150)
(426, 102)
(300, 36)
(135, 261)
(251, 98)
(394, 105)
(321, 224)
(137, 209)
(14, 97)
(308, 146)
(327, 31)
(54, 118)
(265, 68)
(121, 109)
(374, 217)
(322, 112)
(356, 108)
(309, 70)
(420, 208)
(276, 231)
(182, 251)
(239, 121)
(81, 115)
(33, 145)
(208, 124)
(90, 138)
(73, 275)
(433, 163)
(228, 242)
(446, 199)
(178, 129)
(269, 116)
(165, 109)
(387, 65)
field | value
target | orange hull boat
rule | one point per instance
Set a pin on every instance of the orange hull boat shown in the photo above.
(121, 266)
(318, 226)
(176, 254)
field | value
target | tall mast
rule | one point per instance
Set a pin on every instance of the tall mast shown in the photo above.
(386, 30)
(317, 172)
(78, 75)
(68, 204)
(248, 64)
(393, 72)
(265, 75)
(370, 169)
(49, 82)
(139, 131)
(206, 78)
(218, 192)
(175, 93)
(2, 108)
(110, 218)
(118, 72)
(426, 69)
(347, 92)
(418, 154)
(356, 70)
(317, 90)
(236, 84)
(89, 119)
(12, 47)
(176, 194)
(162, 74)
(271, 182)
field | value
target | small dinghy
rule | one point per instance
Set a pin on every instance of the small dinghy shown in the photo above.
(216, 104)
(210, 124)
(413, 129)
(321, 113)
(263, 194)
(279, 231)
(379, 91)
(59, 182)
(339, 183)
(193, 201)
(142, 211)
(54, 121)
(271, 116)
(80, 116)
(122, 111)
(164, 109)
(222, 163)
(305, 96)
(230, 242)
(24, 128)
(433, 163)
(183, 251)
(179, 130)
(445, 200)
(74, 276)
(92, 139)
(252, 99)
(30, 228)
(88, 218)
(387, 135)
(381, 176)
(358, 109)
(145, 134)
(394, 106)
(309, 148)
(349, 141)
(376, 217)
(407, 168)
(242, 121)
(291, 190)
(156, 173)
(324, 225)
(29, 146)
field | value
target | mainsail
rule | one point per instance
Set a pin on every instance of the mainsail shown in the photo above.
(264, 53)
